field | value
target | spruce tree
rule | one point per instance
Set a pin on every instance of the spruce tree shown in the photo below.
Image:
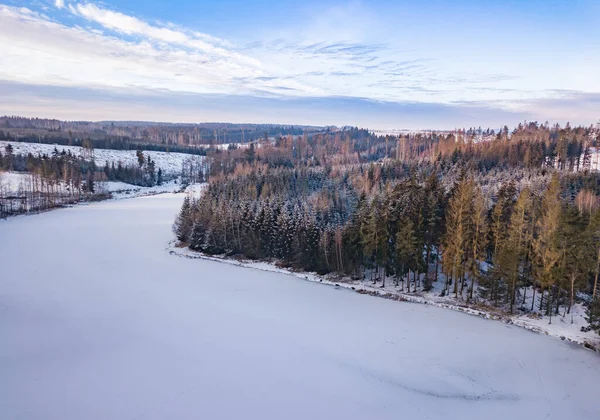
(575, 242)
(513, 249)
(592, 313)
(479, 232)
(458, 231)
(183, 223)
(406, 248)
(546, 252)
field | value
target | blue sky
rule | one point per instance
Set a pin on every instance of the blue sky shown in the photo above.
(377, 64)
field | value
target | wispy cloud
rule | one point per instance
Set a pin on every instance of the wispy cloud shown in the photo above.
(121, 50)
(41, 50)
(130, 25)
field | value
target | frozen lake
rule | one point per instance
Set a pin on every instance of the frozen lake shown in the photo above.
(98, 321)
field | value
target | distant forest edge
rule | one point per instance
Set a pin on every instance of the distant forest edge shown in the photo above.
(509, 219)
(165, 137)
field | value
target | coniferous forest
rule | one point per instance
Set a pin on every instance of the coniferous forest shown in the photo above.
(507, 219)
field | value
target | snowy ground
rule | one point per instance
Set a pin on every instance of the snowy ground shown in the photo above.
(120, 190)
(12, 182)
(170, 163)
(98, 321)
(565, 327)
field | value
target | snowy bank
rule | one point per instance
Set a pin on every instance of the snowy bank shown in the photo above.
(560, 328)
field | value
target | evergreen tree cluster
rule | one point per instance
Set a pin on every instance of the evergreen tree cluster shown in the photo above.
(285, 214)
(145, 174)
(523, 239)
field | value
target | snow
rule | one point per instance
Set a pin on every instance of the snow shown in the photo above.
(12, 181)
(594, 159)
(15, 182)
(560, 327)
(114, 186)
(120, 190)
(99, 321)
(225, 146)
(170, 163)
(196, 190)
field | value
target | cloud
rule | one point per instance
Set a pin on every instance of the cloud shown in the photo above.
(130, 25)
(121, 50)
(87, 47)
(39, 50)
(82, 103)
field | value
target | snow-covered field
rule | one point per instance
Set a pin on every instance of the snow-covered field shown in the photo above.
(121, 190)
(98, 321)
(170, 163)
(13, 182)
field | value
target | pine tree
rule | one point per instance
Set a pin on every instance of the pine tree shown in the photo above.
(183, 223)
(406, 248)
(500, 218)
(592, 313)
(198, 236)
(374, 237)
(575, 243)
(594, 232)
(546, 253)
(433, 219)
(140, 157)
(352, 243)
(513, 249)
(479, 231)
(458, 231)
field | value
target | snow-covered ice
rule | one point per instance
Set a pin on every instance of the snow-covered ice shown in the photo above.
(98, 321)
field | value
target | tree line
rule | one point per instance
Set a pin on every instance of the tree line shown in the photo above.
(514, 235)
(106, 142)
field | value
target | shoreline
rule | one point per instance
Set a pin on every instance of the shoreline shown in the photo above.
(124, 194)
(521, 321)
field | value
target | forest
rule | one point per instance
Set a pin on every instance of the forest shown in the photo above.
(107, 142)
(507, 219)
(153, 136)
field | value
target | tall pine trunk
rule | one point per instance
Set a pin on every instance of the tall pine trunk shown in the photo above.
(596, 277)
(415, 280)
(572, 295)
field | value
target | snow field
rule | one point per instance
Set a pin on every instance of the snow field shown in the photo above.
(170, 163)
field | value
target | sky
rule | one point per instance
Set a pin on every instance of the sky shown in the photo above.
(378, 64)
